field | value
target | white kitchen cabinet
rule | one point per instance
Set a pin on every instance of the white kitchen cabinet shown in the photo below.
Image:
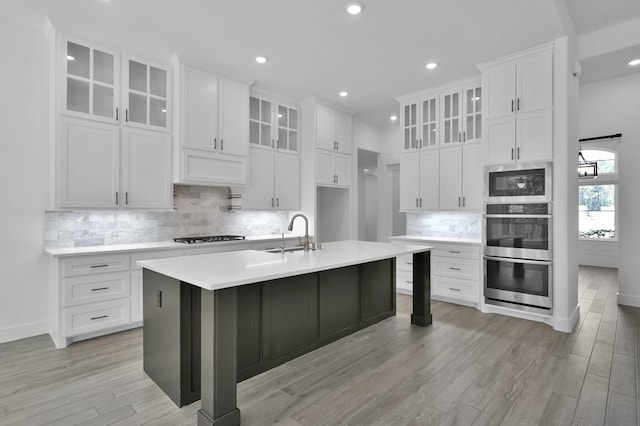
(419, 180)
(419, 118)
(460, 177)
(461, 114)
(333, 130)
(333, 169)
(91, 87)
(519, 106)
(273, 125)
(107, 166)
(274, 181)
(455, 271)
(213, 140)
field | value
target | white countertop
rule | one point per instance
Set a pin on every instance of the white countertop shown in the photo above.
(230, 269)
(160, 245)
(426, 239)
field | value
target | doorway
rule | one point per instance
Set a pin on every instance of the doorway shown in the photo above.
(368, 195)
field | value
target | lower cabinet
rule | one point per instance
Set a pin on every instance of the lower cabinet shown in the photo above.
(455, 272)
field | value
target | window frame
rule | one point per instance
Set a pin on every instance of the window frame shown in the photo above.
(603, 179)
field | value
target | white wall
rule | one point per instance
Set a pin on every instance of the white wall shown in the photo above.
(24, 171)
(607, 107)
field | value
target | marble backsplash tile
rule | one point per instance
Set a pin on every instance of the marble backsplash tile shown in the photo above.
(198, 210)
(445, 224)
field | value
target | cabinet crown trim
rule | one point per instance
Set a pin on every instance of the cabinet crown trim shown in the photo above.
(547, 47)
(434, 91)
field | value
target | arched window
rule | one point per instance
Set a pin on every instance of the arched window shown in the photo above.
(597, 197)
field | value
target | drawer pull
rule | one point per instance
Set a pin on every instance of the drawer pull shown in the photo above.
(408, 282)
(99, 266)
(100, 317)
(100, 288)
(409, 263)
(454, 269)
(454, 251)
(454, 289)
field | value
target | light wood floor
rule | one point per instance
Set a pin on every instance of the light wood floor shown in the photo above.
(467, 368)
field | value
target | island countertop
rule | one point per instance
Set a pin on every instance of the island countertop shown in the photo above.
(216, 271)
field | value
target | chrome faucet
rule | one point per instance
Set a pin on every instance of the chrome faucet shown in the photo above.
(306, 244)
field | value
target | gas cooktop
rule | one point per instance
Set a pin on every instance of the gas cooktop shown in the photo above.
(208, 239)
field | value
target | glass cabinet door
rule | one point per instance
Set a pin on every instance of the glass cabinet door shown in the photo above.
(146, 94)
(287, 128)
(90, 81)
(473, 114)
(452, 130)
(260, 130)
(410, 126)
(429, 120)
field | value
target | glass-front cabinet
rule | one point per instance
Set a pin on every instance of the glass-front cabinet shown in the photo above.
(273, 125)
(93, 88)
(420, 123)
(462, 115)
(146, 94)
(91, 82)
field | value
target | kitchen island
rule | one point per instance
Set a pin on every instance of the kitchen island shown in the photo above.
(215, 319)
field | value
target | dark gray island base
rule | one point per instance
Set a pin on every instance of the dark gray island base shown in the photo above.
(199, 343)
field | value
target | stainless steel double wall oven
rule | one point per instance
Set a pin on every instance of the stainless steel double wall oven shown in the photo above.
(518, 237)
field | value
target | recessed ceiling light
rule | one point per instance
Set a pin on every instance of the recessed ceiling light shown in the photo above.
(393, 117)
(634, 62)
(343, 94)
(431, 65)
(261, 59)
(70, 58)
(355, 8)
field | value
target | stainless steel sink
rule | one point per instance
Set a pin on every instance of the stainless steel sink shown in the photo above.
(286, 249)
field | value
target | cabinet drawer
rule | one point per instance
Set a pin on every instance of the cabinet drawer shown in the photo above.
(404, 278)
(456, 268)
(158, 254)
(404, 262)
(96, 288)
(456, 289)
(457, 251)
(96, 316)
(86, 265)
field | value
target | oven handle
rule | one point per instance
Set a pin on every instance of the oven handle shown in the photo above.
(519, 216)
(512, 260)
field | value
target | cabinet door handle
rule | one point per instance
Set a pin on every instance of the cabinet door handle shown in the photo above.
(278, 144)
(272, 143)
(126, 198)
(277, 202)
(272, 202)
(464, 202)
(459, 136)
(454, 289)
(454, 251)
(512, 153)
(459, 202)
(518, 107)
(100, 317)
(117, 115)
(215, 143)
(100, 288)
(518, 157)
(512, 106)
(126, 115)
(99, 266)
(416, 202)
(454, 269)
(464, 136)
(221, 144)
(420, 201)
(337, 145)
(421, 145)
(116, 198)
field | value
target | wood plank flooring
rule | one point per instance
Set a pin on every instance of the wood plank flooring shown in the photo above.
(468, 368)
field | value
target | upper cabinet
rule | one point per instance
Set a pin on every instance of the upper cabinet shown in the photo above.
(273, 125)
(333, 130)
(212, 135)
(104, 85)
(419, 118)
(461, 118)
(113, 148)
(519, 106)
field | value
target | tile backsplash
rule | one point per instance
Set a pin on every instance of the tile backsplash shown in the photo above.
(445, 224)
(198, 210)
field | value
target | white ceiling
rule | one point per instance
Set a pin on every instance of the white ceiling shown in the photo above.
(316, 49)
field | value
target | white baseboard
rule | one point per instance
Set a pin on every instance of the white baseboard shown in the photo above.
(629, 300)
(566, 324)
(23, 331)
